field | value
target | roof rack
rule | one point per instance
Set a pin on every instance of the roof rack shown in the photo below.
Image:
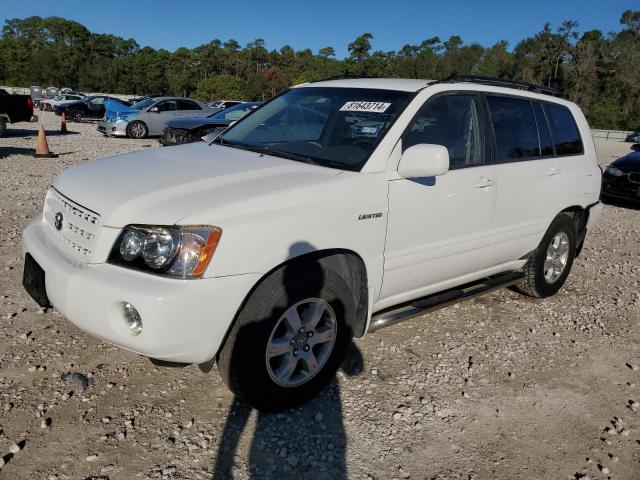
(502, 82)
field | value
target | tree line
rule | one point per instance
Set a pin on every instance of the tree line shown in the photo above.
(601, 72)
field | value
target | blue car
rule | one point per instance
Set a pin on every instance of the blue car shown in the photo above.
(188, 130)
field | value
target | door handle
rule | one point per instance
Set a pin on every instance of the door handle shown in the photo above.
(553, 171)
(484, 182)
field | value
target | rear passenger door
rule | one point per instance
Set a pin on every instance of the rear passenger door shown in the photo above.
(531, 185)
(439, 228)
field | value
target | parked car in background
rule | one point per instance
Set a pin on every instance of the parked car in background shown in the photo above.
(36, 93)
(187, 130)
(49, 104)
(621, 179)
(301, 227)
(144, 97)
(150, 116)
(87, 107)
(222, 104)
(13, 109)
(71, 91)
(634, 137)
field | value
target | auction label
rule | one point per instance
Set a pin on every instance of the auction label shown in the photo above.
(376, 107)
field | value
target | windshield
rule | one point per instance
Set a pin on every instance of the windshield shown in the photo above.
(332, 127)
(143, 104)
(234, 113)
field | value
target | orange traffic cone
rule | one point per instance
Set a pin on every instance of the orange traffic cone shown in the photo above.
(63, 123)
(42, 147)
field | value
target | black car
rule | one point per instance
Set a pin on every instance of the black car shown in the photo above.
(621, 179)
(188, 130)
(88, 107)
(13, 109)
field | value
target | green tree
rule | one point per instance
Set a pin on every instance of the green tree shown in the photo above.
(219, 87)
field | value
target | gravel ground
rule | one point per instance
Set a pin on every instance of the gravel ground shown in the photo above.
(502, 387)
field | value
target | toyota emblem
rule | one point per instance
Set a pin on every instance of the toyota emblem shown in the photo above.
(58, 221)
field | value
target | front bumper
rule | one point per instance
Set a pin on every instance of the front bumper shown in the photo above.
(113, 129)
(620, 187)
(176, 136)
(183, 320)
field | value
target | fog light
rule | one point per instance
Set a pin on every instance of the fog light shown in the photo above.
(131, 315)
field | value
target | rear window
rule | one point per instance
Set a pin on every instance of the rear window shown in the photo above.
(515, 128)
(565, 133)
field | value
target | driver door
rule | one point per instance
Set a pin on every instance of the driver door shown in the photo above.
(96, 107)
(440, 228)
(167, 110)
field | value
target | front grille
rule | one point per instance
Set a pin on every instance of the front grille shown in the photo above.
(74, 236)
(634, 177)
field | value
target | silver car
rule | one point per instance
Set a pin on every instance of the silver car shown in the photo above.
(150, 116)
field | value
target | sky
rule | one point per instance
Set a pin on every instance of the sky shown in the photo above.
(302, 24)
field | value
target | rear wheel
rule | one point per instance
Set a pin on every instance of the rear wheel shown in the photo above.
(75, 115)
(137, 129)
(549, 266)
(289, 339)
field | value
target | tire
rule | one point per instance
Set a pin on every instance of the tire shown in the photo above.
(75, 115)
(3, 127)
(243, 361)
(542, 278)
(137, 129)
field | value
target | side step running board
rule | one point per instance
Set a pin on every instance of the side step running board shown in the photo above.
(430, 303)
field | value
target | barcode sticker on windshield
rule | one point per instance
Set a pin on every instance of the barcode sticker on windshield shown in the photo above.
(375, 107)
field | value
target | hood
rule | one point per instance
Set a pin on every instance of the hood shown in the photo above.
(187, 123)
(630, 162)
(162, 186)
(112, 108)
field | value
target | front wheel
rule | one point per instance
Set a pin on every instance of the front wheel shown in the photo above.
(137, 129)
(549, 266)
(289, 339)
(75, 115)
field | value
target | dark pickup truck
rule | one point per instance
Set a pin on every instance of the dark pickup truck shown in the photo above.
(13, 109)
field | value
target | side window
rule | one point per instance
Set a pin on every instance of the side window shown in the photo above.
(546, 143)
(97, 101)
(187, 105)
(167, 106)
(453, 121)
(514, 125)
(564, 130)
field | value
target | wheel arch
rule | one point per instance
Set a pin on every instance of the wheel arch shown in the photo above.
(580, 216)
(346, 263)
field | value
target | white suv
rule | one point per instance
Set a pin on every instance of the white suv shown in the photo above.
(334, 209)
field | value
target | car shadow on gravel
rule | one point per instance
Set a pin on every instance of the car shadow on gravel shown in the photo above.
(28, 132)
(8, 151)
(307, 442)
(620, 203)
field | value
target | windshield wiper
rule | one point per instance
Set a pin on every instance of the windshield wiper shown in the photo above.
(281, 153)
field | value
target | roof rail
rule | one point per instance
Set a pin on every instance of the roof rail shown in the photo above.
(503, 82)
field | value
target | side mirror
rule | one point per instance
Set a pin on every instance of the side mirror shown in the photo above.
(154, 109)
(424, 160)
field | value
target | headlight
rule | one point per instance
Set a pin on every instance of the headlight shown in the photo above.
(616, 172)
(183, 252)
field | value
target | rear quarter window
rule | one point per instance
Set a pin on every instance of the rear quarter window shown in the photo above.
(564, 131)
